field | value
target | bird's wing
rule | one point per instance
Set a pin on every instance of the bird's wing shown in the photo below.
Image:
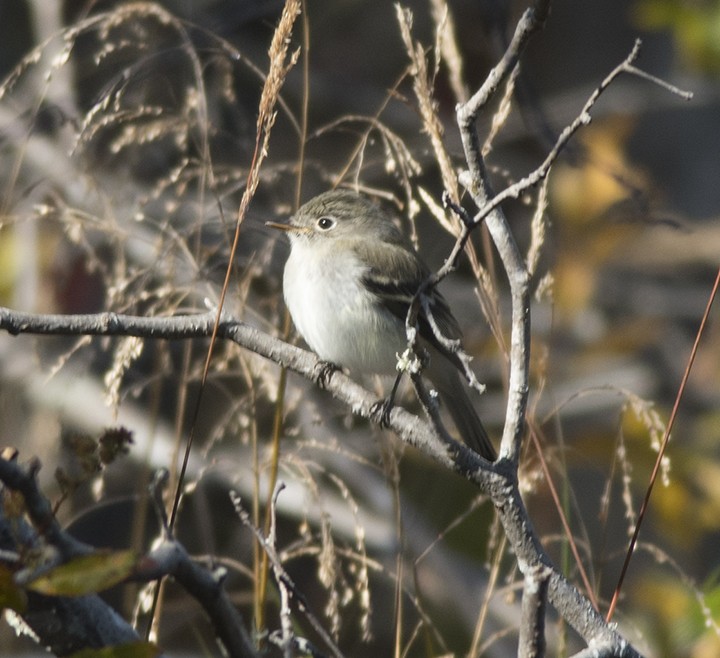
(395, 286)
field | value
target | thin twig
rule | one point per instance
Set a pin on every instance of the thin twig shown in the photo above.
(663, 447)
(590, 593)
(282, 576)
(286, 626)
(582, 119)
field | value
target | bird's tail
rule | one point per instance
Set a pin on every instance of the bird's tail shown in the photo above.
(455, 398)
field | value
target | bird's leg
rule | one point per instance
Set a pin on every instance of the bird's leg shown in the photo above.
(384, 407)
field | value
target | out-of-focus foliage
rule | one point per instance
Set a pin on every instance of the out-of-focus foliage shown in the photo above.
(585, 197)
(695, 25)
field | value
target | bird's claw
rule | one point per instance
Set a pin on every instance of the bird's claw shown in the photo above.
(322, 372)
(382, 408)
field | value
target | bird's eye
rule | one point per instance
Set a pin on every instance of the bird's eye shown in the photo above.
(325, 223)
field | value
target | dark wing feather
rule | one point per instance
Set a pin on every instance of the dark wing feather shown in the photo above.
(395, 287)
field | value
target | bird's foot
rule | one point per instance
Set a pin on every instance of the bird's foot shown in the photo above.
(323, 371)
(382, 408)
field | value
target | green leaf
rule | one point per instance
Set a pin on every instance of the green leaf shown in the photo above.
(87, 574)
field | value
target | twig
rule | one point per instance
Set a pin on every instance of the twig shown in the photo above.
(489, 203)
(663, 447)
(23, 479)
(572, 606)
(582, 119)
(531, 21)
(282, 575)
(286, 627)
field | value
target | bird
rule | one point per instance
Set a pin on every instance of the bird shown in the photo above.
(348, 283)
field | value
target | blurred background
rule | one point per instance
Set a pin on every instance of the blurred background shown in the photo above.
(126, 133)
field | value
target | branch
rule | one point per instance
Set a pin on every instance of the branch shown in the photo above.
(407, 426)
(207, 587)
(477, 183)
(532, 619)
(71, 624)
(22, 478)
(532, 20)
(540, 173)
(531, 557)
(63, 625)
(499, 480)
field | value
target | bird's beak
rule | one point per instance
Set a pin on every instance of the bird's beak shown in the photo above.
(288, 228)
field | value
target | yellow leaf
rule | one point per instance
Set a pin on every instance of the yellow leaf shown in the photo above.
(581, 193)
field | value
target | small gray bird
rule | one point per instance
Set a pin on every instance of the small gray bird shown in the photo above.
(348, 283)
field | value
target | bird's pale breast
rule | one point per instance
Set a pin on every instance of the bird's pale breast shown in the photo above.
(338, 318)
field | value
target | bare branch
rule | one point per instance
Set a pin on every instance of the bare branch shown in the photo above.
(286, 626)
(531, 21)
(407, 426)
(171, 559)
(582, 119)
(532, 621)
